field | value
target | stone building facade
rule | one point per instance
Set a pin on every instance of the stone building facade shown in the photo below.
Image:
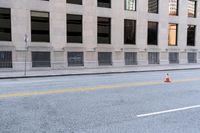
(62, 34)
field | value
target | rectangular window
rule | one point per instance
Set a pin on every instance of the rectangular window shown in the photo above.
(130, 5)
(172, 34)
(40, 26)
(153, 6)
(173, 58)
(191, 35)
(74, 28)
(129, 31)
(173, 7)
(41, 59)
(153, 58)
(105, 58)
(79, 2)
(5, 24)
(152, 33)
(104, 30)
(104, 3)
(130, 58)
(192, 8)
(5, 59)
(75, 58)
(192, 57)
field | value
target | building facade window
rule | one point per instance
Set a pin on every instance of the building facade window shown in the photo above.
(129, 31)
(192, 57)
(75, 59)
(173, 57)
(191, 35)
(105, 58)
(192, 6)
(79, 2)
(104, 3)
(104, 30)
(74, 28)
(173, 7)
(152, 33)
(130, 5)
(41, 59)
(153, 58)
(153, 6)
(130, 58)
(5, 24)
(40, 26)
(172, 34)
(5, 59)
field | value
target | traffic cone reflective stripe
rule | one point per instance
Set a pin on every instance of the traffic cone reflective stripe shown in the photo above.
(167, 79)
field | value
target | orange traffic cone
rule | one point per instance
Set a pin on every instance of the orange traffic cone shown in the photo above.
(167, 79)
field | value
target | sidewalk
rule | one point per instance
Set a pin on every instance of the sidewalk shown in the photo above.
(100, 70)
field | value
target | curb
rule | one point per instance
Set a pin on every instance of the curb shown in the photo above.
(96, 73)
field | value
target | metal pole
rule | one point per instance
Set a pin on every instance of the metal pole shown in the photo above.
(26, 49)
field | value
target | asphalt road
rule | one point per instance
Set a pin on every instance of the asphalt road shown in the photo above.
(113, 103)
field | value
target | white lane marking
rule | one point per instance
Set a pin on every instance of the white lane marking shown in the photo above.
(168, 111)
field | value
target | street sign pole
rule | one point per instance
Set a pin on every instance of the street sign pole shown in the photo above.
(26, 50)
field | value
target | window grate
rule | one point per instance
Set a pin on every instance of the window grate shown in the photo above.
(153, 58)
(5, 59)
(75, 59)
(105, 58)
(173, 58)
(192, 57)
(41, 59)
(130, 58)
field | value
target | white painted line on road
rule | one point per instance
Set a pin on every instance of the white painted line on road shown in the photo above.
(168, 111)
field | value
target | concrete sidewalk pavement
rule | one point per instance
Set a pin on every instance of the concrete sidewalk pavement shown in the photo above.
(90, 71)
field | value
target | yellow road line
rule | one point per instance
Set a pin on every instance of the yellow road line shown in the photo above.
(116, 86)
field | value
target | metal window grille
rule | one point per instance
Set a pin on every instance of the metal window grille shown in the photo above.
(105, 58)
(41, 59)
(130, 58)
(173, 58)
(153, 58)
(5, 59)
(192, 57)
(75, 59)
